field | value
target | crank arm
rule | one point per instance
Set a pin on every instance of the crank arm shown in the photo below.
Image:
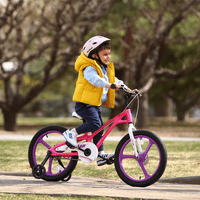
(109, 161)
(103, 157)
(73, 148)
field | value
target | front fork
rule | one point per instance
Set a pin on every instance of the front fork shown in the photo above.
(132, 128)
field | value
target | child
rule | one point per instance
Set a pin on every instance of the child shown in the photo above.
(94, 87)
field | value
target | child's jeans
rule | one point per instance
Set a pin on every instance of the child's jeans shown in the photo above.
(92, 115)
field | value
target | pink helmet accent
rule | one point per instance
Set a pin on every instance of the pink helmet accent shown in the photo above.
(93, 43)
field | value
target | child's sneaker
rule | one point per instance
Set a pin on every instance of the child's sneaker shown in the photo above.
(71, 137)
(101, 161)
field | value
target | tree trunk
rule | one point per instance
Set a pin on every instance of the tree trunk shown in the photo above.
(124, 74)
(119, 107)
(181, 113)
(10, 120)
(164, 108)
(143, 116)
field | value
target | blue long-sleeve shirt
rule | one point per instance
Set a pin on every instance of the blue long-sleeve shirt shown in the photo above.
(91, 75)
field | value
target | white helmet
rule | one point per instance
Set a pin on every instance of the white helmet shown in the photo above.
(93, 43)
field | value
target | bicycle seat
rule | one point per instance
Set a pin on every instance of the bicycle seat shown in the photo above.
(74, 114)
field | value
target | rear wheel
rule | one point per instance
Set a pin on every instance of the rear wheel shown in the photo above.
(150, 165)
(56, 168)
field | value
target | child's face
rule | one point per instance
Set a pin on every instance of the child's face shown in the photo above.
(105, 56)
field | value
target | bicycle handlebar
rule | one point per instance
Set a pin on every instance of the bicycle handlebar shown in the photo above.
(134, 92)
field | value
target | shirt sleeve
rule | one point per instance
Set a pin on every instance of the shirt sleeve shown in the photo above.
(91, 75)
(120, 82)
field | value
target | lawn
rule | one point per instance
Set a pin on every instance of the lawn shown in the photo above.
(183, 160)
(4, 196)
(183, 157)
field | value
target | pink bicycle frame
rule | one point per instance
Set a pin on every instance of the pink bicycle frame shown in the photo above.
(88, 137)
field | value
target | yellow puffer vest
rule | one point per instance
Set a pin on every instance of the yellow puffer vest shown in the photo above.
(87, 93)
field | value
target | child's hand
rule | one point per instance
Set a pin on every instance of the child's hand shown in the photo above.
(118, 86)
(136, 90)
(115, 86)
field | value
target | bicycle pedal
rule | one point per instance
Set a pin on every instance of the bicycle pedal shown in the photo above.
(110, 160)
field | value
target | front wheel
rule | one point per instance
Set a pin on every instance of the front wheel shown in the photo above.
(148, 167)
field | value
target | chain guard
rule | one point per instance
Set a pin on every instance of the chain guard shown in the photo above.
(90, 152)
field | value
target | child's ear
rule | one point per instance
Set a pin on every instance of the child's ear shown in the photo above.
(94, 56)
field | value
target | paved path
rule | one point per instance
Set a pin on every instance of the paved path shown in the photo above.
(79, 186)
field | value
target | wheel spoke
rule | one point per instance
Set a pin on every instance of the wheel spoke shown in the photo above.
(142, 157)
(128, 156)
(147, 176)
(45, 144)
(148, 148)
(49, 172)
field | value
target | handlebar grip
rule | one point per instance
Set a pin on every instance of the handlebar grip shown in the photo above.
(135, 92)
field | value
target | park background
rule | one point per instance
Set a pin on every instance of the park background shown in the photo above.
(155, 48)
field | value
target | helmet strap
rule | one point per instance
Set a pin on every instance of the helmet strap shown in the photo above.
(98, 59)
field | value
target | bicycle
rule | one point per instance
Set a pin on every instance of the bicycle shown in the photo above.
(140, 156)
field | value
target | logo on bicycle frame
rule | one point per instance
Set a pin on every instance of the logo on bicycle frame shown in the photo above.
(81, 145)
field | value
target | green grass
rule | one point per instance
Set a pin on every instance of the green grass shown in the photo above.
(183, 160)
(45, 121)
(4, 196)
(172, 122)
(69, 121)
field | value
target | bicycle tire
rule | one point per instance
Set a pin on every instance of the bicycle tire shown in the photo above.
(149, 167)
(44, 139)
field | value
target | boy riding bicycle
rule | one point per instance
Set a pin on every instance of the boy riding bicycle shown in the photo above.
(94, 87)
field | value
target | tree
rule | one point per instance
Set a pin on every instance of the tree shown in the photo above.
(47, 30)
(181, 52)
(153, 23)
(184, 89)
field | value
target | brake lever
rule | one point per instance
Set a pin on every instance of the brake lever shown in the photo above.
(136, 93)
(126, 91)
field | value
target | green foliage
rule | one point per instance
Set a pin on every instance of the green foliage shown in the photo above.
(55, 98)
(112, 23)
(178, 51)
